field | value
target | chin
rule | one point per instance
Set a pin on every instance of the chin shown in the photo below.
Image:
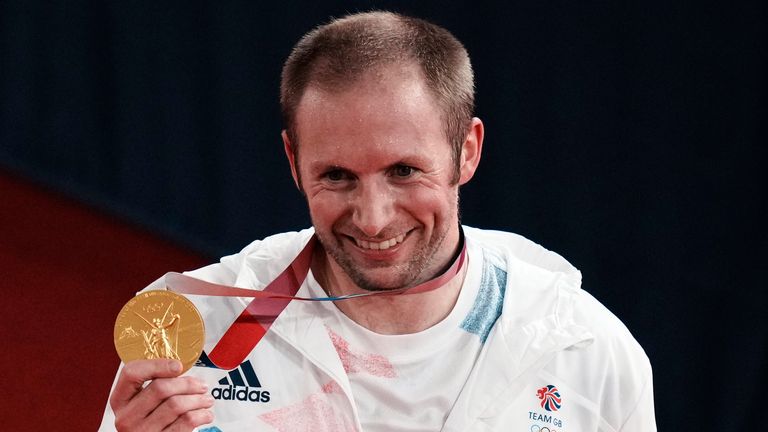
(380, 279)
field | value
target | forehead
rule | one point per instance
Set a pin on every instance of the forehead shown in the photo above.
(380, 104)
(369, 127)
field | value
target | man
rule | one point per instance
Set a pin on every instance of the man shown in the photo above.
(379, 136)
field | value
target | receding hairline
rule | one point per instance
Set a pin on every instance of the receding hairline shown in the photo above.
(386, 76)
(402, 68)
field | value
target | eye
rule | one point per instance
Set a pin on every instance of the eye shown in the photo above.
(403, 171)
(336, 175)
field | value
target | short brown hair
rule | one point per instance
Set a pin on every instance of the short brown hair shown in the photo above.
(340, 52)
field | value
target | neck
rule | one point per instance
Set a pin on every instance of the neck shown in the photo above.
(387, 314)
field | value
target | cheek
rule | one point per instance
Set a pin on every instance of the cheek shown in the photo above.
(325, 209)
(434, 204)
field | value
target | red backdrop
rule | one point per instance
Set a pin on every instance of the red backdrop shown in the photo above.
(66, 270)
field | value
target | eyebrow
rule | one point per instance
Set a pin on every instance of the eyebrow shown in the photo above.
(414, 160)
(320, 167)
(320, 170)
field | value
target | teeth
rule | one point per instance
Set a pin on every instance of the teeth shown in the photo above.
(386, 244)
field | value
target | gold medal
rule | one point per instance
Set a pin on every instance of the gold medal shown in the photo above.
(159, 324)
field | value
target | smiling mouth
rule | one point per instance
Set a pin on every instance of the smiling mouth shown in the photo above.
(384, 245)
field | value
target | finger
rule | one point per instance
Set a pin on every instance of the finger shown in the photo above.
(134, 414)
(190, 420)
(161, 389)
(136, 373)
(183, 412)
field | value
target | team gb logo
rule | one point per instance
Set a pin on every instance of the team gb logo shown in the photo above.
(550, 398)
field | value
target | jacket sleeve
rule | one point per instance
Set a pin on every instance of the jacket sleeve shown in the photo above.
(643, 417)
(616, 371)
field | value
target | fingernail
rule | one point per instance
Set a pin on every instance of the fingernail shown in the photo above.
(175, 367)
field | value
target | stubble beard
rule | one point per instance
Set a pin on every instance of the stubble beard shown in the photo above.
(406, 273)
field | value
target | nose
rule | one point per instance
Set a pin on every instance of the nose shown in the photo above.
(374, 205)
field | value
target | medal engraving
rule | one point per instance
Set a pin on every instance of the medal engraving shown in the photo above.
(159, 325)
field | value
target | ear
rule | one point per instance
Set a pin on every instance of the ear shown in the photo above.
(471, 151)
(290, 155)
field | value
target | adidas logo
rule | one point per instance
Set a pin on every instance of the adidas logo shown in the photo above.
(238, 385)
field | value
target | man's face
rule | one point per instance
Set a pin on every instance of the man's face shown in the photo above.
(376, 169)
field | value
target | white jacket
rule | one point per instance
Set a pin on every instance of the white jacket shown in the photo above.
(550, 333)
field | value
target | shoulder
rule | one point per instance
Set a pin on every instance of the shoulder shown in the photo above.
(257, 263)
(538, 282)
(535, 270)
(278, 245)
(502, 243)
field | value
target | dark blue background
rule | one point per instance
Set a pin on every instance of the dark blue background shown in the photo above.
(628, 137)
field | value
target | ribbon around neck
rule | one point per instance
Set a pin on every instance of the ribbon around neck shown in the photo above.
(267, 304)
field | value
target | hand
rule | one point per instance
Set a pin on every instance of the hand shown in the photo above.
(168, 403)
